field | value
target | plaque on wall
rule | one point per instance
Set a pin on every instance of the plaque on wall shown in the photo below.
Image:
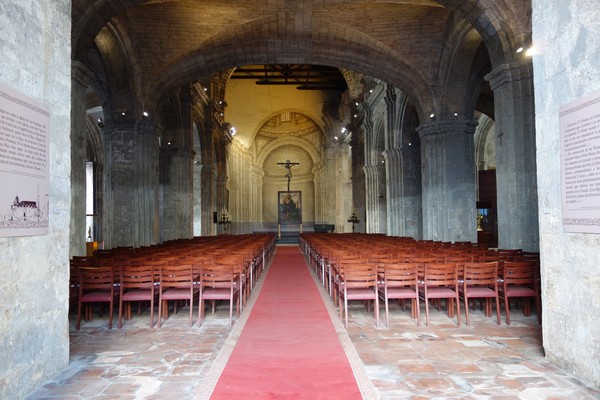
(24, 165)
(580, 164)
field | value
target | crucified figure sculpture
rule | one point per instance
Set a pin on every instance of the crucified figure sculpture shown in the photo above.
(288, 165)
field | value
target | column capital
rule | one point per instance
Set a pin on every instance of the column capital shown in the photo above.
(445, 127)
(507, 73)
(81, 74)
(392, 154)
(373, 169)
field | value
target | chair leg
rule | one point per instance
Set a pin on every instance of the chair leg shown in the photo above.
(457, 301)
(387, 317)
(79, 307)
(498, 309)
(110, 315)
(506, 307)
(376, 305)
(466, 309)
(120, 323)
(427, 312)
(418, 309)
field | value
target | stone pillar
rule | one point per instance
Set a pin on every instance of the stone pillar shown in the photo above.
(176, 196)
(516, 184)
(448, 181)
(375, 196)
(207, 200)
(80, 81)
(257, 195)
(131, 184)
(403, 191)
(358, 179)
(197, 198)
(221, 203)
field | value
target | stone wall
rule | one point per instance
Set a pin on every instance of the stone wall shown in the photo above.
(567, 36)
(34, 333)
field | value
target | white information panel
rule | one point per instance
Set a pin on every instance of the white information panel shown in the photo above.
(24, 165)
(580, 164)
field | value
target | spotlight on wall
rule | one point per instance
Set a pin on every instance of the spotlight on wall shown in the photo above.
(530, 51)
(432, 116)
(520, 50)
(145, 114)
(455, 115)
(100, 122)
(206, 89)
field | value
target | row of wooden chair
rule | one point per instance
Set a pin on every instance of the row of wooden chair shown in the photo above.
(222, 268)
(352, 270)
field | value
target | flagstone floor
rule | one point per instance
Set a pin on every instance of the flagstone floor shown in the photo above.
(402, 361)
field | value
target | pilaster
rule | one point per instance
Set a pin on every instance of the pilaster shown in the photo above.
(515, 156)
(131, 184)
(448, 181)
(375, 198)
(403, 191)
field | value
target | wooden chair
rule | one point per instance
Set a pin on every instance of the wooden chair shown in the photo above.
(400, 281)
(481, 281)
(217, 282)
(137, 283)
(520, 280)
(358, 282)
(96, 285)
(176, 283)
(441, 282)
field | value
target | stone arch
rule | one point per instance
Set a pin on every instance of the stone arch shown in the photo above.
(484, 138)
(255, 43)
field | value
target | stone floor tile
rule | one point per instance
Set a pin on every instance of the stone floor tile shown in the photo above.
(403, 361)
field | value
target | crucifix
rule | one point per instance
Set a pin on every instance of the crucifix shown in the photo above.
(288, 165)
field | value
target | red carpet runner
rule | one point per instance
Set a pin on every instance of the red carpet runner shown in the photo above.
(288, 348)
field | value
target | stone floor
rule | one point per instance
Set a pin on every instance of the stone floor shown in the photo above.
(402, 361)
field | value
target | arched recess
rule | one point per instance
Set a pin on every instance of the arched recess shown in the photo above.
(95, 164)
(299, 142)
(305, 176)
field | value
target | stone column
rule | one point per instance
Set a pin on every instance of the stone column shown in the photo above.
(198, 217)
(176, 205)
(131, 184)
(516, 184)
(375, 196)
(80, 81)
(207, 204)
(358, 179)
(448, 181)
(403, 191)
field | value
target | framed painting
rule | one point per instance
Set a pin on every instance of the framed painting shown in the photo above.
(290, 207)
